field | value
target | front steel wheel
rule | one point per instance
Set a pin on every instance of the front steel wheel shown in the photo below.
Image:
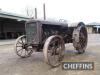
(21, 47)
(54, 50)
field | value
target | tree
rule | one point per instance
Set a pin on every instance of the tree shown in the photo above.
(29, 12)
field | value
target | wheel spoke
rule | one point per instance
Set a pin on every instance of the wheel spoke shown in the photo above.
(19, 50)
(18, 46)
(22, 49)
(26, 53)
(53, 42)
(22, 41)
(82, 40)
(19, 42)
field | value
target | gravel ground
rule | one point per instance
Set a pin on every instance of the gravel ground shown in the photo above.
(11, 64)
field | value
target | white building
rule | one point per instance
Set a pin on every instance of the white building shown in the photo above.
(93, 27)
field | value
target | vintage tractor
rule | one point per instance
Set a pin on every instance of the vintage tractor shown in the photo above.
(50, 37)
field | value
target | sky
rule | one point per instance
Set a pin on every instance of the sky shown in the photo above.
(72, 10)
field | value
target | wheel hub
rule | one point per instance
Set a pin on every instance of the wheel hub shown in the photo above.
(24, 46)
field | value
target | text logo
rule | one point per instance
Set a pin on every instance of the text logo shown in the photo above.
(78, 65)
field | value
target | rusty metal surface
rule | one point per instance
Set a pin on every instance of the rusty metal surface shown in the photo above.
(54, 50)
(80, 38)
(21, 47)
(38, 31)
(40, 34)
(48, 22)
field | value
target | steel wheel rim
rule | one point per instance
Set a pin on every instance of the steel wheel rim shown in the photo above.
(83, 38)
(80, 38)
(22, 49)
(53, 55)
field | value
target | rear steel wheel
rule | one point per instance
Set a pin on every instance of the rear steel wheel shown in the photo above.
(21, 47)
(80, 38)
(54, 50)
